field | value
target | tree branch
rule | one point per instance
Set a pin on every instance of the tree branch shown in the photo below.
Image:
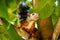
(35, 3)
(1, 23)
(46, 28)
(56, 31)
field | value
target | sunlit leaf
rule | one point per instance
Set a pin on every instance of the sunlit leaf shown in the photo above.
(3, 10)
(58, 8)
(54, 19)
(14, 34)
(11, 32)
(45, 8)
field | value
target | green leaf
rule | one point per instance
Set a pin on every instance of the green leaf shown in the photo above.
(31, 10)
(58, 8)
(46, 12)
(45, 8)
(12, 6)
(14, 34)
(54, 19)
(3, 10)
(7, 9)
(11, 32)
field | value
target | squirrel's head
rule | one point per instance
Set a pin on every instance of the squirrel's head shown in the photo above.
(33, 16)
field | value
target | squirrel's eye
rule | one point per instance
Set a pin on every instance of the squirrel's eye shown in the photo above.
(32, 14)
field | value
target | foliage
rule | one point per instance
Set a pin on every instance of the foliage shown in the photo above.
(45, 8)
(8, 10)
(58, 8)
(8, 13)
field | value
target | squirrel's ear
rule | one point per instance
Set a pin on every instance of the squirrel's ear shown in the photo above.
(28, 14)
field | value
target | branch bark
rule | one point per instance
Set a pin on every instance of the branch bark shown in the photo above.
(46, 28)
(56, 31)
(35, 3)
(1, 23)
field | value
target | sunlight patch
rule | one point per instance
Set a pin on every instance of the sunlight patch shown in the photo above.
(0, 39)
(56, 3)
(36, 25)
(12, 23)
(29, 0)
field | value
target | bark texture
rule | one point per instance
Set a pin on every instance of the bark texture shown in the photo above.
(56, 31)
(1, 23)
(35, 3)
(46, 28)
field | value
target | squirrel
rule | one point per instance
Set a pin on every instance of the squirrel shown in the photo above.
(29, 24)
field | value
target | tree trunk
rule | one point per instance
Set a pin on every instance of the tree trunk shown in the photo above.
(46, 28)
